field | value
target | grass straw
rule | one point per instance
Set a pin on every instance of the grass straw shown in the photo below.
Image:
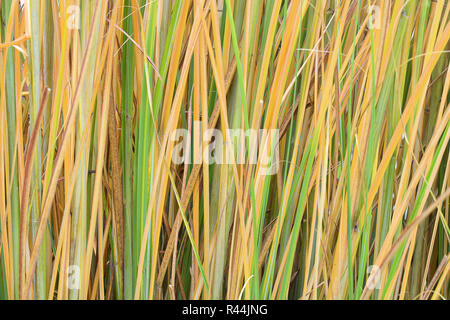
(94, 206)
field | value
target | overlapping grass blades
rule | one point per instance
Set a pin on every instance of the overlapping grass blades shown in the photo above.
(93, 207)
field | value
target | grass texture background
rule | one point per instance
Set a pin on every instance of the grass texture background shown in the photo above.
(92, 207)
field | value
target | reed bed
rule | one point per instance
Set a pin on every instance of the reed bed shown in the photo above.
(92, 205)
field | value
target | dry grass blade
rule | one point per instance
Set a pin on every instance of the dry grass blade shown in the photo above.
(224, 149)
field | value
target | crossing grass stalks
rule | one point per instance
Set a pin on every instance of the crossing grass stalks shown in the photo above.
(92, 205)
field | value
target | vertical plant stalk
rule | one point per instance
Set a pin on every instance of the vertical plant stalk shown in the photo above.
(10, 79)
(117, 189)
(36, 185)
(128, 67)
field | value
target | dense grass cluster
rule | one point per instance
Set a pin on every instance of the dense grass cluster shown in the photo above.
(93, 207)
